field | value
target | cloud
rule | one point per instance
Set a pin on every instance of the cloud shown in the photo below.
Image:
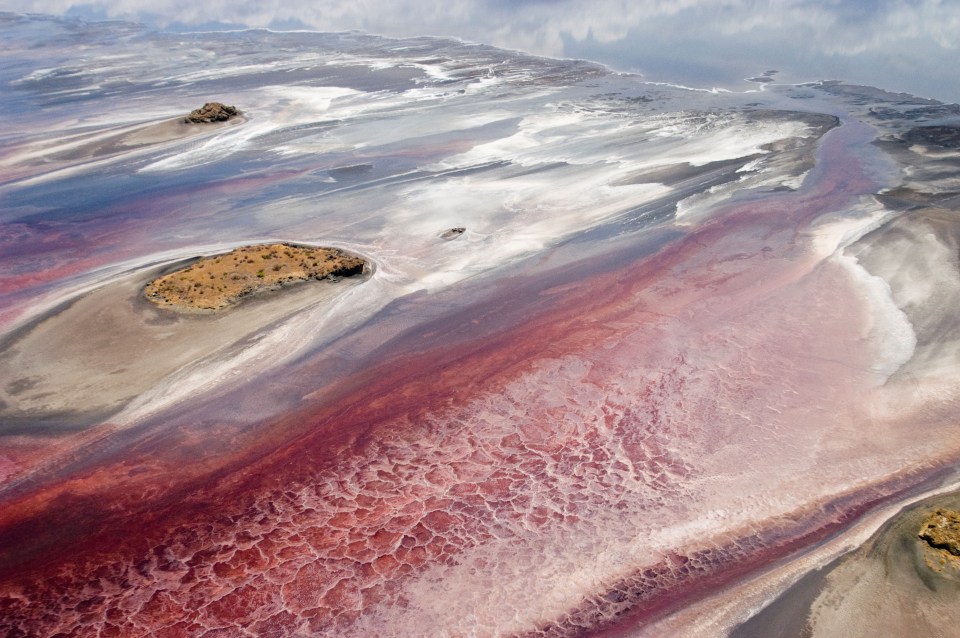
(848, 26)
(609, 29)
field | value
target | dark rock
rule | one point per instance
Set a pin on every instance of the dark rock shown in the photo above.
(347, 269)
(211, 112)
(453, 233)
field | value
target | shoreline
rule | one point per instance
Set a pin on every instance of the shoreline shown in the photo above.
(893, 542)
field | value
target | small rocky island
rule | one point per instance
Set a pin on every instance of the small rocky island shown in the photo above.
(941, 530)
(211, 112)
(220, 281)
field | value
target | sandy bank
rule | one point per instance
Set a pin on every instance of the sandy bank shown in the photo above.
(86, 359)
(894, 585)
(100, 145)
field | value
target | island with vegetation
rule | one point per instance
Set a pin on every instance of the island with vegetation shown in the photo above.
(220, 281)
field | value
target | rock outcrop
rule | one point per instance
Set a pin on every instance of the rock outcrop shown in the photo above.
(220, 281)
(211, 112)
(941, 530)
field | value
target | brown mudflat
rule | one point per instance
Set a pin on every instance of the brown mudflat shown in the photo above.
(220, 281)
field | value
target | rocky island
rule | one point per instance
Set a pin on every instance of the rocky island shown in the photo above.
(941, 530)
(211, 112)
(219, 281)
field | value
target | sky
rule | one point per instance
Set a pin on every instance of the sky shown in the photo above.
(899, 45)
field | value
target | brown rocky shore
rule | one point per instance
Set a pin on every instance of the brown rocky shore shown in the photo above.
(219, 281)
